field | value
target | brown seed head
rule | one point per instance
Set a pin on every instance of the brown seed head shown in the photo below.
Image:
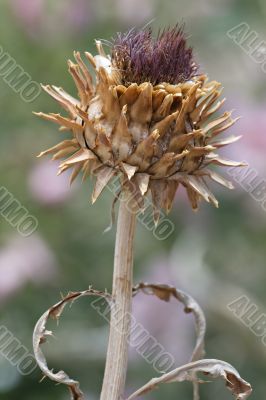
(154, 135)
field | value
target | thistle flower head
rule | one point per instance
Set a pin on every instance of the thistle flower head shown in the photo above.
(141, 58)
(150, 119)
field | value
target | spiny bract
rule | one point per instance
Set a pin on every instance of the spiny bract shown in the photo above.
(153, 135)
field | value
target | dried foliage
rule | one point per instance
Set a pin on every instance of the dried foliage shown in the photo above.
(213, 368)
(41, 334)
(165, 292)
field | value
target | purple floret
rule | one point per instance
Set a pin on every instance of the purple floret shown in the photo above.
(141, 58)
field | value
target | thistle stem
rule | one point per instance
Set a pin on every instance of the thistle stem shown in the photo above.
(117, 352)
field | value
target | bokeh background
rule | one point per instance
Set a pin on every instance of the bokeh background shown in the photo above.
(216, 255)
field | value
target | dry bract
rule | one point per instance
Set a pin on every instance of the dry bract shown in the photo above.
(154, 137)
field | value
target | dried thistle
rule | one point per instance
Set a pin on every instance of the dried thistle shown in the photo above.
(149, 119)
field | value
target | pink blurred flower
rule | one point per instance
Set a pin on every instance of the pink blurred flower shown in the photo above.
(46, 187)
(25, 260)
(40, 17)
(251, 149)
(166, 322)
(252, 126)
(129, 11)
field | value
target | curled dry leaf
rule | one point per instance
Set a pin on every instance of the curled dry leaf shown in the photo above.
(214, 368)
(165, 292)
(40, 335)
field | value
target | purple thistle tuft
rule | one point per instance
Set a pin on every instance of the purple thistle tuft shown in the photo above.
(141, 58)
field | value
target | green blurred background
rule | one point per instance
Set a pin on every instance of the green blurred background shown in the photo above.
(216, 255)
